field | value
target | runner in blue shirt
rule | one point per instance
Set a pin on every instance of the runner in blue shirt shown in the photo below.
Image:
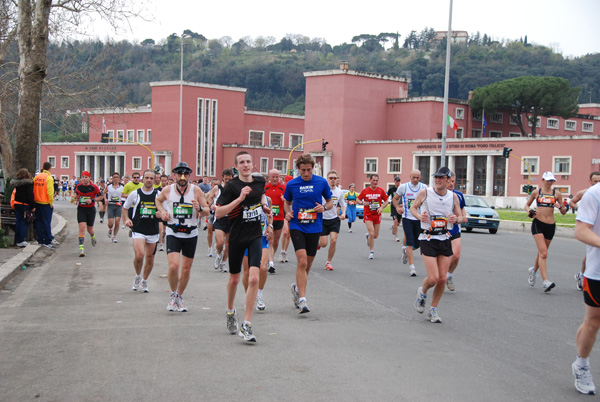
(455, 233)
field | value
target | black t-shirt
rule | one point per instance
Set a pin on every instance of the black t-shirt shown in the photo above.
(392, 191)
(244, 220)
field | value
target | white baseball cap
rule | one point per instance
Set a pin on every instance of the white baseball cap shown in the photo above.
(548, 176)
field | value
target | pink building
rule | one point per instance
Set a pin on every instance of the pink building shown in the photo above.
(370, 123)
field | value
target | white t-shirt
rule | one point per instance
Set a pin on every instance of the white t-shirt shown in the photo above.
(588, 212)
(337, 195)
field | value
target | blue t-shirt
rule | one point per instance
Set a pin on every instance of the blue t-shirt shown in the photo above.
(305, 195)
(461, 201)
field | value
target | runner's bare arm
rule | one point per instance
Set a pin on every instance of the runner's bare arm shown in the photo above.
(224, 210)
(414, 208)
(573, 201)
(456, 212)
(585, 234)
(162, 197)
(202, 205)
(287, 208)
(559, 203)
(532, 197)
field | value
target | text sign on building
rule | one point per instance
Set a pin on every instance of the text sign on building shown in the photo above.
(595, 161)
(462, 146)
(97, 148)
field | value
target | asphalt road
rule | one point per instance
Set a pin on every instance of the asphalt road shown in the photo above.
(78, 333)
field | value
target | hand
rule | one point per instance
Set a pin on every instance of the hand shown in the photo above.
(557, 205)
(424, 217)
(196, 204)
(245, 191)
(267, 210)
(289, 216)
(164, 215)
(343, 216)
(269, 233)
(319, 208)
(452, 218)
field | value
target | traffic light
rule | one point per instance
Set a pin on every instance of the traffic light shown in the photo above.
(325, 145)
(104, 138)
(528, 188)
(506, 152)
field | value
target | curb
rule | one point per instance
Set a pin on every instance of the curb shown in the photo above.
(12, 266)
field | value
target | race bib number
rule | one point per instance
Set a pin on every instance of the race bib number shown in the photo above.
(84, 200)
(438, 224)
(374, 206)
(115, 199)
(546, 200)
(306, 216)
(252, 213)
(351, 202)
(275, 210)
(182, 211)
(410, 202)
(148, 211)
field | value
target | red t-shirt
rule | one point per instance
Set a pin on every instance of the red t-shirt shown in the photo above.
(276, 194)
(375, 198)
(90, 191)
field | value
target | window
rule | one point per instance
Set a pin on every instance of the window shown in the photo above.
(460, 114)
(149, 136)
(570, 125)
(562, 165)
(296, 139)
(552, 124)
(533, 162)
(370, 165)
(264, 165)
(395, 165)
(496, 118)
(52, 160)
(120, 134)
(136, 163)
(64, 162)
(538, 122)
(565, 190)
(131, 135)
(140, 136)
(111, 135)
(514, 120)
(476, 133)
(64, 178)
(84, 127)
(495, 134)
(514, 134)
(281, 165)
(149, 163)
(459, 132)
(276, 140)
(587, 127)
(256, 138)
(206, 137)
(476, 116)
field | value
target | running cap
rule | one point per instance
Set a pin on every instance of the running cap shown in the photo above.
(288, 178)
(397, 178)
(548, 176)
(443, 172)
(86, 174)
(182, 168)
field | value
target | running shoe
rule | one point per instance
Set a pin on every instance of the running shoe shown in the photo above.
(172, 306)
(433, 315)
(579, 279)
(303, 307)
(136, 283)
(55, 242)
(420, 301)
(413, 271)
(548, 285)
(404, 255)
(210, 252)
(260, 303)
(22, 244)
(583, 379)
(50, 246)
(181, 307)
(94, 241)
(295, 295)
(328, 266)
(161, 247)
(232, 324)
(532, 275)
(450, 284)
(281, 259)
(110, 234)
(396, 239)
(349, 230)
(114, 240)
(144, 286)
(246, 332)
(218, 260)
(271, 267)
(81, 252)
(101, 220)
(367, 236)
(223, 267)
(285, 258)
(371, 255)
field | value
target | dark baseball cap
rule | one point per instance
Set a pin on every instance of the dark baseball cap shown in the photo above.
(397, 178)
(443, 172)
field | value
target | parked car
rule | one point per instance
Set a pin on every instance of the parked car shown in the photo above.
(480, 215)
(360, 210)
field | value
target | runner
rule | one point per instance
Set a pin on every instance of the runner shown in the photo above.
(184, 203)
(86, 193)
(402, 201)
(101, 202)
(543, 226)
(393, 211)
(350, 198)
(221, 226)
(128, 188)
(210, 200)
(164, 182)
(113, 195)
(374, 200)
(439, 214)
(144, 228)
(454, 231)
(64, 190)
(587, 230)
(275, 191)
(304, 211)
(331, 219)
(243, 201)
(594, 178)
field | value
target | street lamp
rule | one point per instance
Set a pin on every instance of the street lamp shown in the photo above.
(181, 95)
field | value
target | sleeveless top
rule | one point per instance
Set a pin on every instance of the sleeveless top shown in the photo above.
(408, 195)
(144, 213)
(351, 198)
(437, 207)
(181, 211)
(546, 200)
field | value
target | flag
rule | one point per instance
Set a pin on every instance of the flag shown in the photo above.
(484, 125)
(451, 122)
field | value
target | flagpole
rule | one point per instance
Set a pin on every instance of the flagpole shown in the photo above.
(482, 123)
(446, 87)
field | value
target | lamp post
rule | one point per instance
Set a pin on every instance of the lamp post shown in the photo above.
(180, 97)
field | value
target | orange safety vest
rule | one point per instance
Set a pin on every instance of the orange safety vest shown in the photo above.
(40, 188)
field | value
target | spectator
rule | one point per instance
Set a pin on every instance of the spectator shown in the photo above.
(43, 193)
(23, 204)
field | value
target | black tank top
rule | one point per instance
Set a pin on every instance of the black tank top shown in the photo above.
(546, 200)
(144, 216)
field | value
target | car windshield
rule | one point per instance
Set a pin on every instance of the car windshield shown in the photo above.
(474, 201)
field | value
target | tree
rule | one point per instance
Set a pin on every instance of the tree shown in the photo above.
(532, 96)
(29, 23)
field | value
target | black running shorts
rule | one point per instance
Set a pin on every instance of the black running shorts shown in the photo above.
(236, 254)
(305, 241)
(278, 225)
(539, 227)
(221, 224)
(433, 248)
(87, 215)
(412, 230)
(184, 245)
(591, 292)
(330, 225)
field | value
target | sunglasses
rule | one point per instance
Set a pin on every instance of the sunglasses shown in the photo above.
(332, 178)
(135, 177)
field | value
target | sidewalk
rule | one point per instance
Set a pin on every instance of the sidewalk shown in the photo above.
(12, 259)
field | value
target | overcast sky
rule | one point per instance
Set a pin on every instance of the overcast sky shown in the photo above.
(571, 27)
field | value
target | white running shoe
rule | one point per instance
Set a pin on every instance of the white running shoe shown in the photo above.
(548, 285)
(295, 295)
(55, 242)
(172, 306)
(223, 267)
(144, 286)
(81, 252)
(161, 247)
(22, 244)
(420, 301)
(94, 241)
(110, 234)
(303, 307)
(281, 259)
(413, 271)
(285, 258)
(114, 240)
(210, 252)
(433, 315)
(371, 255)
(396, 239)
(181, 307)
(450, 284)
(583, 379)
(578, 278)
(217, 262)
(532, 275)
(349, 230)
(246, 332)
(404, 255)
(136, 283)
(232, 324)
(260, 303)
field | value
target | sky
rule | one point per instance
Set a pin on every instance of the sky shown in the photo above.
(570, 27)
